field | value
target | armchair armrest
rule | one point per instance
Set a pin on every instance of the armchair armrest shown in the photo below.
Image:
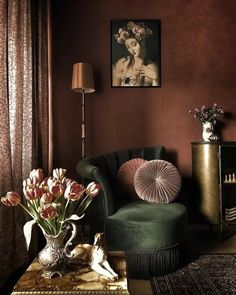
(91, 172)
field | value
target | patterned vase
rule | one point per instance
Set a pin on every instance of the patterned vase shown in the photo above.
(54, 256)
(207, 132)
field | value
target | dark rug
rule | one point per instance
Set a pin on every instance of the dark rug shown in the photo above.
(206, 275)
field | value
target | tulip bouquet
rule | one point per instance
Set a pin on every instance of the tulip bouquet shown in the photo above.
(50, 201)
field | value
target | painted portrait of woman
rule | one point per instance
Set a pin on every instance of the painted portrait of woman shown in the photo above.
(136, 53)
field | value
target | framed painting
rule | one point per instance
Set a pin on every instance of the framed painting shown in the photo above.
(136, 53)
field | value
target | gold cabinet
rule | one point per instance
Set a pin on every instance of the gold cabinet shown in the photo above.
(205, 168)
(214, 173)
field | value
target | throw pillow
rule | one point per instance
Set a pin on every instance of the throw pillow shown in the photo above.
(157, 181)
(126, 174)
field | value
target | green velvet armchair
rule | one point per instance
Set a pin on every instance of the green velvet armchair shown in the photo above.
(151, 234)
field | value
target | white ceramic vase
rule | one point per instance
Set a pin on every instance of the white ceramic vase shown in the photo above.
(208, 132)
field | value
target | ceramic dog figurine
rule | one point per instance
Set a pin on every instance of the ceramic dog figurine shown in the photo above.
(95, 256)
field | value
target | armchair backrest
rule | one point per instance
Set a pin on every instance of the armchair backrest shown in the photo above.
(103, 169)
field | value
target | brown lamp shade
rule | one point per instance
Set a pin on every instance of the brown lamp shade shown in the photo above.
(82, 78)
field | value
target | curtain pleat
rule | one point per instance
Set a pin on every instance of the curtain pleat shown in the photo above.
(23, 115)
(5, 146)
(20, 89)
(40, 74)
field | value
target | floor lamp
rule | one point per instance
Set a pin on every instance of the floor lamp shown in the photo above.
(82, 82)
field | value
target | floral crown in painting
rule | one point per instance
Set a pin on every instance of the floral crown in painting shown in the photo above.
(138, 31)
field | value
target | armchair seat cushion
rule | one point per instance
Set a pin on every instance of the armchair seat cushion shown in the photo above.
(144, 226)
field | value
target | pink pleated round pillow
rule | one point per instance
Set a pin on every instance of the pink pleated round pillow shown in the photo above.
(126, 174)
(157, 181)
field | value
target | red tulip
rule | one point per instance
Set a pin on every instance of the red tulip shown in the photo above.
(36, 175)
(11, 199)
(50, 181)
(93, 189)
(48, 212)
(59, 173)
(74, 191)
(32, 192)
(47, 198)
(56, 188)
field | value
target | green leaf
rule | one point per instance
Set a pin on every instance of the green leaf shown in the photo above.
(84, 204)
(74, 217)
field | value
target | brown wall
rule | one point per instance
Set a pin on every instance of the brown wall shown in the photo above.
(198, 44)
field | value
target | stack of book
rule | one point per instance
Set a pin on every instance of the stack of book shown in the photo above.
(230, 214)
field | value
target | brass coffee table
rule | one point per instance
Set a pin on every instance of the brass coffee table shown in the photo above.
(80, 280)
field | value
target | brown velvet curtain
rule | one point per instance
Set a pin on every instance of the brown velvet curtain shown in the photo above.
(23, 114)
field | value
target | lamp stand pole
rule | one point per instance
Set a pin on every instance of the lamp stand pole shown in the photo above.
(83, 125)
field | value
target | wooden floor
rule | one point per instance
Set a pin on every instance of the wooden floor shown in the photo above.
(200, 240)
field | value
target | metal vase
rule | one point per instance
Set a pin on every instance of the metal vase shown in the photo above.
(54, 256)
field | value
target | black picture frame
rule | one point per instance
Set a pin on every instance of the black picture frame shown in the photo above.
(136, 53)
